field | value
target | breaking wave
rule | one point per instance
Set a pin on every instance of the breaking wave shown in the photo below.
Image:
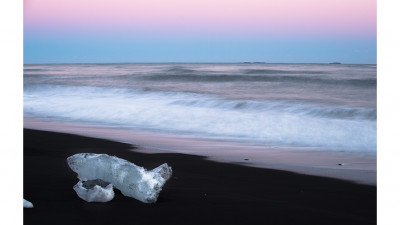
(273, 122)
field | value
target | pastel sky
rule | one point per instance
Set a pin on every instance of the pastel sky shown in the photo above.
(298, 31)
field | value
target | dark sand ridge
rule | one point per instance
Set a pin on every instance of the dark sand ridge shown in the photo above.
(200, 192)
(356, 167)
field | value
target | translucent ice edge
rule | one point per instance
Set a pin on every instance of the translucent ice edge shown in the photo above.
(132, 180)
(28, 204)
(96, 193)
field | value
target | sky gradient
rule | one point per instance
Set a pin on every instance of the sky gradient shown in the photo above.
(307, 31)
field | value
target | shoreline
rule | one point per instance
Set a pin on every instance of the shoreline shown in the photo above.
(355, 167)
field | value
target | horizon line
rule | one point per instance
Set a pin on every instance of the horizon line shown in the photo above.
(243, 62)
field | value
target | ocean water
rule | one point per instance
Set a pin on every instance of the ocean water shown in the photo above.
(320, 106)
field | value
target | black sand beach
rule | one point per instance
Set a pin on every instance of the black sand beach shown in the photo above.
(200, 191)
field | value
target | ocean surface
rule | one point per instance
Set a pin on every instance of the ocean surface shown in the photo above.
(318, 106)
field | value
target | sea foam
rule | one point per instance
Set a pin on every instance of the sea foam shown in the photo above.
(265, 121)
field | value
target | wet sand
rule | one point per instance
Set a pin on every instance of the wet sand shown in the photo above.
(355, 167)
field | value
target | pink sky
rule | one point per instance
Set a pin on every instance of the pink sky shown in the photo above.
(200, 30)
(221, 17)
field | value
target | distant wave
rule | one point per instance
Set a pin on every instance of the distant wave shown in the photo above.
(255, 78)
(33, 70)
(35, 75)
(271, 71)
(179, 69)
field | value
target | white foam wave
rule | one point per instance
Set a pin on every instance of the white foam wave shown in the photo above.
(267, 122)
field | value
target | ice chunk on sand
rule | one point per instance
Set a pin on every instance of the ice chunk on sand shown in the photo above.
(94, 190)
(131, 180)
(28, 204)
